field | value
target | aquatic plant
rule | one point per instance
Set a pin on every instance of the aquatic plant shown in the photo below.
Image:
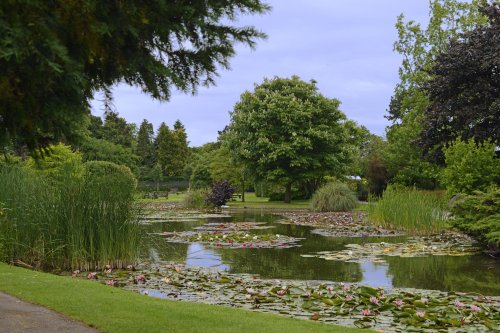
(334, 197)
(195, 199)
(410, 210)
(76, 221)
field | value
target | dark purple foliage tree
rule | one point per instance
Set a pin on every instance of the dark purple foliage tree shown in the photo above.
(222, 191)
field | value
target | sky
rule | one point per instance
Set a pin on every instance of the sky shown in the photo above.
(345, 45)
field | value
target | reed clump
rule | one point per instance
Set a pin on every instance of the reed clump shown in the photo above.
(82, 219)
(334, 197)
(410, 210)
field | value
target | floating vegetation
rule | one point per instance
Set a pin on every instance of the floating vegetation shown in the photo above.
(397, 310)
(337, 224)
(238, 239)
(179, 216)
(233, 227)
(437, 245)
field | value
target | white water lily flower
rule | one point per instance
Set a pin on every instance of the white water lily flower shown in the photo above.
(224, 236)
(278, 235)
(255, 237)
(247, 235)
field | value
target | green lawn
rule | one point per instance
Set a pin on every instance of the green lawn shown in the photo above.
(111, 309)
(251, 202)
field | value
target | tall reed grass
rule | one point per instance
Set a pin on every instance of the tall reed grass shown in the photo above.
(410, 210)
(81, 223)
(334, 197)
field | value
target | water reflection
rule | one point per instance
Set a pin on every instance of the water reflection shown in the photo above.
(469, 273)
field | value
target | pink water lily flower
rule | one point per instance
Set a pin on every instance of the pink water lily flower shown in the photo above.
(475, 308)
(348, 298)
(374, 300)
(399, 302)
(140, 279)
(281, 292)
(420, 314)
(366, 312)
(110, 283)
(75, 273)
(92, 276)
(459, 304)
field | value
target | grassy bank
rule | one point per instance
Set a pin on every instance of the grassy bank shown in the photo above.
(114, 310)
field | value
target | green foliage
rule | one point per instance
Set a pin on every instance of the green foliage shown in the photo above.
(419, 47)
(409, 209)
(195, 199)
(57, 164)
(49, 69)
(464, 89)
(145, 148)
(470, 167)
(478, 214)
(77, 222)
(334, 197)
(94, 149)
(287, 132)
(172, 149)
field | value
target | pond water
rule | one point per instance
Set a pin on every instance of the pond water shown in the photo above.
(473, 273)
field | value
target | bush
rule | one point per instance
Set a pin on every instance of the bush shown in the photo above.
(101, 173)
(221, 192)
(410, 210)
(334, 197)
(478, 214)
(195, 199)
(470, 167)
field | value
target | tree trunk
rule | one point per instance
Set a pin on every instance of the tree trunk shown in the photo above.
(288, 193)
(243, 190)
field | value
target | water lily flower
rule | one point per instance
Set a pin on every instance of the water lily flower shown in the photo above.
(140, 279)
(374, 300)
(255, 237)
(281, 292)
(366, 312)
(307, 294)
(178, 269)
(108, 271)
(130, 268)
(75, 273)
(251, 245)
(459, 304)
(329, 289)
(420, 314)
(381, 292)
(218, 245)
(247, 235)
(92, 276)
(347, 287)
(110, 283)
(424, 300)
(224, 236)
(399, 302)
(248, 296)
(475, 308)
(251, 291)
(348, 298)
(244, 244)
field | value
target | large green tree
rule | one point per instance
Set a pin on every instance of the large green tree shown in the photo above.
(419, 47)
(286, 132)
(464, 90)
(164, 141)
(145, 148)
(56, 54)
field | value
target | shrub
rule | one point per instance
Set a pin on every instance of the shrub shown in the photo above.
(470, 167)
(478, 214)
(221, 192)
(334, 197)
(410, 210)
(195, 199)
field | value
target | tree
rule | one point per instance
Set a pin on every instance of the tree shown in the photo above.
(145, 148)
(287, 132)
(419, 48)
(57, 54)
(470, 166)
(164, 141)
(116, 130)
(464, 90)
(180, 149)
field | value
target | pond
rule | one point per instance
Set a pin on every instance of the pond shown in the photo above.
(470, 273)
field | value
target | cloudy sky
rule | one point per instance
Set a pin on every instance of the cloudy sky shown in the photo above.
(345, 45)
